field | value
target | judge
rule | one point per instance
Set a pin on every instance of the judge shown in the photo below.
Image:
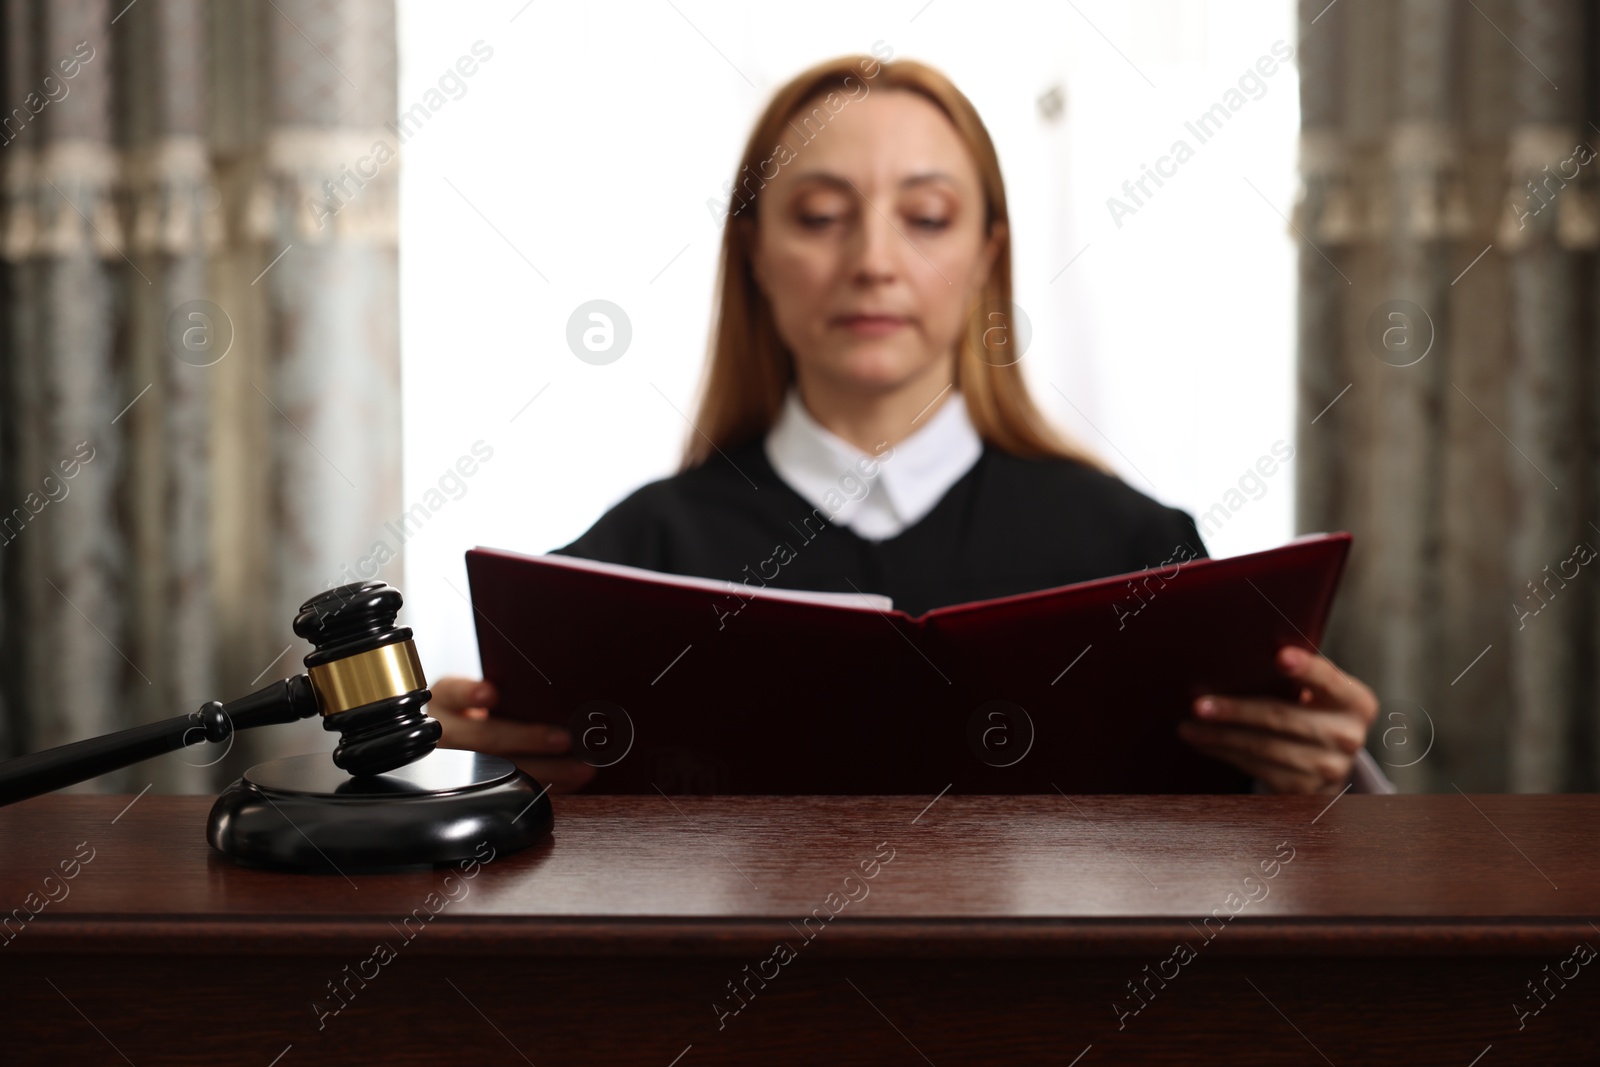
(861, 407)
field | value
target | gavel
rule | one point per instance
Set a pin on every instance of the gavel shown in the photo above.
(363, 678)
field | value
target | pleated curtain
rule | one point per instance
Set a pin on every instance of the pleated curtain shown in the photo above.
(199, 380)
(1447, 223)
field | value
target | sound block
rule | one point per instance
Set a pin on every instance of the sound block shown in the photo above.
(305, 814)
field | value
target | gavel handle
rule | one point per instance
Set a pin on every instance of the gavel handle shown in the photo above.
(41, 772)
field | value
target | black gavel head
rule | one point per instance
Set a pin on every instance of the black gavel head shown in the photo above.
(367, 678)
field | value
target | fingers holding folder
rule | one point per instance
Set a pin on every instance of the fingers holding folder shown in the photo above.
(1309, 747)
(464, 706)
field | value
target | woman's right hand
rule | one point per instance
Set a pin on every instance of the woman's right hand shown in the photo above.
(462, 706)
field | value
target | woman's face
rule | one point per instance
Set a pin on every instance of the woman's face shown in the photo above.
(869, 243)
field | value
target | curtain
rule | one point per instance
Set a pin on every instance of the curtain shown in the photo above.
(1447, 224)
(199, 381)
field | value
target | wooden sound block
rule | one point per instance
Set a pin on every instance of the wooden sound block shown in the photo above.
(303, 813)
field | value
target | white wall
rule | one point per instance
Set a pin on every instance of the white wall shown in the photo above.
(576, 164)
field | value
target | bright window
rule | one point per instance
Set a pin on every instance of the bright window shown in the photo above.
(575, 162)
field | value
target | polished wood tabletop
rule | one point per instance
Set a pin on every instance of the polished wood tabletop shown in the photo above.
(667, 897)
(1057, 870)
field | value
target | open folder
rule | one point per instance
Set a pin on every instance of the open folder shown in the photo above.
(691, 685)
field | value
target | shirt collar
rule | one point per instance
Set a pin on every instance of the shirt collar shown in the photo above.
(908, 480)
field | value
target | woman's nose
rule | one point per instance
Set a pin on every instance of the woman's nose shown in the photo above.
(876, 246)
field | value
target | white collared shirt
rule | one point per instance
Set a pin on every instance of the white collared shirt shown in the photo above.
(908, 481)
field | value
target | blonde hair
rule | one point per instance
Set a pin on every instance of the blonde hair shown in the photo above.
(749, 368)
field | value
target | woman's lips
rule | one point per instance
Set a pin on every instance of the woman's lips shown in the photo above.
(870, 325)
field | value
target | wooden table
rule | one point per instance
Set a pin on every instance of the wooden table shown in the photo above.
(1018, 929)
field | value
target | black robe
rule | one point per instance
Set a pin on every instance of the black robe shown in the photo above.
(1008, 525)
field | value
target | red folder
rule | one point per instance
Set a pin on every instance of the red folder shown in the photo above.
(701, 686)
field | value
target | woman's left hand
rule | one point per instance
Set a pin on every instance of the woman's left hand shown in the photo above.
(1308, 747)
